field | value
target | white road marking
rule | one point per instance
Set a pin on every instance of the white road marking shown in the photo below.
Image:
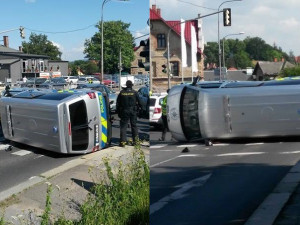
(180, 193)
(157, 146)
(168, 150)
(186, 146)
(168, 160)
(241, 154)
(254, 144)
(292, 152)
(21, 153)
(190, 155)
(217, 145)
(38, 156)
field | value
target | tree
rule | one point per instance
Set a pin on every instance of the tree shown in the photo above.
(211, 53)
(288, 72)
(116, 37)
(87, 67)
(40, 45)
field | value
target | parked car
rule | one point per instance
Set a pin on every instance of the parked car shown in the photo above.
(155, 110)
(138, 81)
(109, 83)
(34, 82)
(143, 94)
(100, 87)
(71, 79)
(85, 80)
(54, 83)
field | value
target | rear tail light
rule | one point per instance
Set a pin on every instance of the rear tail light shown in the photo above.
(95, 148)
(70, 129)
(92, 95)
(157, 110)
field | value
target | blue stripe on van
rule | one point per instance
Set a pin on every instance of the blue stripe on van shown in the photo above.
(103, 120)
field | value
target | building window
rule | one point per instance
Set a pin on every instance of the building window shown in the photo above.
(161, 41)
(42, 66)
(175, 68)
(25, 66)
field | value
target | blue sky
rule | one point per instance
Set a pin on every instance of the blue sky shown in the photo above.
(52, 16)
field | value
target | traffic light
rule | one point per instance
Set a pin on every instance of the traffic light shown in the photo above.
(227, 17)
(164, 70)
(22, 32)
(145, 54)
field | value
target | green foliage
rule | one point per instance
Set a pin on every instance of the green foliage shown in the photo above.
(288, 72)
(46, 214)
(87, 67)
(123, 198)
(211, 53)
(40, 45)
(116, 35)
(240, 54)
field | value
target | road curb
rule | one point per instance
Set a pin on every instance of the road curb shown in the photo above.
(269, 210)
(88, 158)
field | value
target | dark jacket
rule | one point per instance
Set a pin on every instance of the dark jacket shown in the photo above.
(127, 101)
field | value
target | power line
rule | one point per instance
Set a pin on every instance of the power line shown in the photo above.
(196, 5)
(141, 36)
(61, 32)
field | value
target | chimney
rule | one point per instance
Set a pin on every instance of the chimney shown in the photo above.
(5, 40)
(20, 48)
(154, 8)
(158, 11)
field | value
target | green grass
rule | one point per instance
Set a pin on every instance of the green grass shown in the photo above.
(120, 198)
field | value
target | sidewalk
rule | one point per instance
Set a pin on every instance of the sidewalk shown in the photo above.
(282, 206)
(71, 183)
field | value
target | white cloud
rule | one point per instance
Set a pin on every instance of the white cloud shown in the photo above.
(140, 35)
(263, 10)
(272, 20)
(57, 45)
(289, 23)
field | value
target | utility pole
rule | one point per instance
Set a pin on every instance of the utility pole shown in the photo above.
(120, 69)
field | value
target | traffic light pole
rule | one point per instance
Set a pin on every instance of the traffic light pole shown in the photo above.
(168, 42)
(220, 66)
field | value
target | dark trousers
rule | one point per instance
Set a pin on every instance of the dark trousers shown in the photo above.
(165, 126)
(125, 118)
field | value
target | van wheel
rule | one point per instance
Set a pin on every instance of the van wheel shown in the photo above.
(208, 142)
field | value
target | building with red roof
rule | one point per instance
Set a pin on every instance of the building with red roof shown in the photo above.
(159, 29)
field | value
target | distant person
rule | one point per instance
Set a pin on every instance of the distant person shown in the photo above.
(127, 107)
(164, 117)
(90, 81)
(24, 79)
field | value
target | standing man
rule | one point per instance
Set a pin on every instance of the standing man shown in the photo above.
(127, 107)
(164, 117)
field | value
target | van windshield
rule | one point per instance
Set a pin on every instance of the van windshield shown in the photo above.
(189, 113)
(79, 125)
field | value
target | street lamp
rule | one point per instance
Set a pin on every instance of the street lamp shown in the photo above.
(102, 64)
(220, 65)
(224, 43)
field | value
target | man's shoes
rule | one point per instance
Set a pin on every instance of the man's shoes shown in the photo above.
(161, 139)
(121, 145)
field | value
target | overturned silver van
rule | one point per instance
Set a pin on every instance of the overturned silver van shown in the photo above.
(68, 122)
(234, 110)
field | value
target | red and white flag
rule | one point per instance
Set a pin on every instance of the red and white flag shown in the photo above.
(194, 49)
(183, 45)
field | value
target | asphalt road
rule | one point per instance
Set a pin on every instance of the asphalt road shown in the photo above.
(221, 184)
(25, 162)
